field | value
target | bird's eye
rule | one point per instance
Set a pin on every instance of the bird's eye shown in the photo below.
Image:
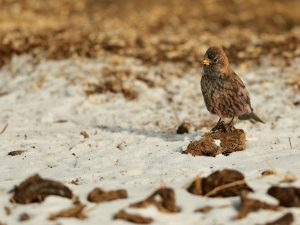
(216, 59)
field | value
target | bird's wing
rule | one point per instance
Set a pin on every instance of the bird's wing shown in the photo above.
(241, 89)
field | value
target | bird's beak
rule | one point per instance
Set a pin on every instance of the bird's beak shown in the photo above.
(205, 61)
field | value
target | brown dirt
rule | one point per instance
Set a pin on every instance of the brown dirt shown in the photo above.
(163, 198)
(133, 218)
(286, 219)
(224, 183)
(287, 196)
(268, 173)
(16, 152)
(74, 212)
(252, 205)
(153, 31)
(184, 127)
(204, 209)
(24, 217)
(230, 141)
(84, 134)
(97, 195)
(36, 189)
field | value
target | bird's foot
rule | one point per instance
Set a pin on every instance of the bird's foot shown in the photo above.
(230, 127)
(221, 126)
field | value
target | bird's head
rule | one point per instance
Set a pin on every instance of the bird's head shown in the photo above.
(215, 60)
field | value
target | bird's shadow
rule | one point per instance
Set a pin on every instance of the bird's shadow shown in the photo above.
(165, 135)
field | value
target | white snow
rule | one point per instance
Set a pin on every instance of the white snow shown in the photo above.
(133, 144)
(217, 142)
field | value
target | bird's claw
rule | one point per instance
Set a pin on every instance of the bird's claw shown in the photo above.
(222, 126)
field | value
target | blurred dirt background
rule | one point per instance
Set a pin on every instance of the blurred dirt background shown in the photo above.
(153, 31)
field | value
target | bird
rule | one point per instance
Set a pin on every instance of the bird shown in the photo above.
(224, 93)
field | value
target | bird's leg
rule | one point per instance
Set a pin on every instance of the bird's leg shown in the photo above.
(219, 126)
(230, 125)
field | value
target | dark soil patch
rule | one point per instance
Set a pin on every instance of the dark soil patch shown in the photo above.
(185, 127)
(224, 183)
(205, 209)
(98, 195)
(286, 219)
(163, 198)
(36, 189)
(16, 152)
(24, 217)
(287, 196)
(75, 212)
(134, 218)
(229, 141)
(252, 205)
(153, 31)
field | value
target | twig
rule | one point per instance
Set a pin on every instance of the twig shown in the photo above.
(224, 186)
(290, 143)
(4, 128)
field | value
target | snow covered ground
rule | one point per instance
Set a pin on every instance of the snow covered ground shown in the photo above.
(133, 144)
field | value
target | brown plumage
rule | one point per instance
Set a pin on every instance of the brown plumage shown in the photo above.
(224, 92)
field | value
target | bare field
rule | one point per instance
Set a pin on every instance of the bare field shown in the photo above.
(92, 94)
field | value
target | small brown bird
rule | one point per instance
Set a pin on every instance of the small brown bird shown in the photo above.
(224, 92)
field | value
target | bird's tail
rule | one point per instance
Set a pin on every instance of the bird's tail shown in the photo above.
(250, 116)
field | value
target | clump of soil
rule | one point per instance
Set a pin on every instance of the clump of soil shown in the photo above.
(286, 219)
(185, 127)
(75, 212)
(205, 209)
(36, 189)
(16, 152)
(163, 198)
(84, 134)
(287, 196)
(224, 183)
(268, 173)
(98, 195)
(252, 205)
(219, 142)
(134, 218)
(24, 217)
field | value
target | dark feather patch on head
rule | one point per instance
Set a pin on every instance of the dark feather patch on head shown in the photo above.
(214, 52)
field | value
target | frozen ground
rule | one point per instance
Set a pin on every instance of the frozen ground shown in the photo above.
(133, 144)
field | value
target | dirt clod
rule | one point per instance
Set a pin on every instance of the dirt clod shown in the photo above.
(36, 189)
(75, 212)
(286, 219)
(224, 183)
(84, 134)
(214, 143)
(98, 195)
(134, 218)
(287, 196)
(268, 173)
(24, 217)
(252, 205)
(16, 152)
(205, 209)
(184, 128)
(163, 199)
